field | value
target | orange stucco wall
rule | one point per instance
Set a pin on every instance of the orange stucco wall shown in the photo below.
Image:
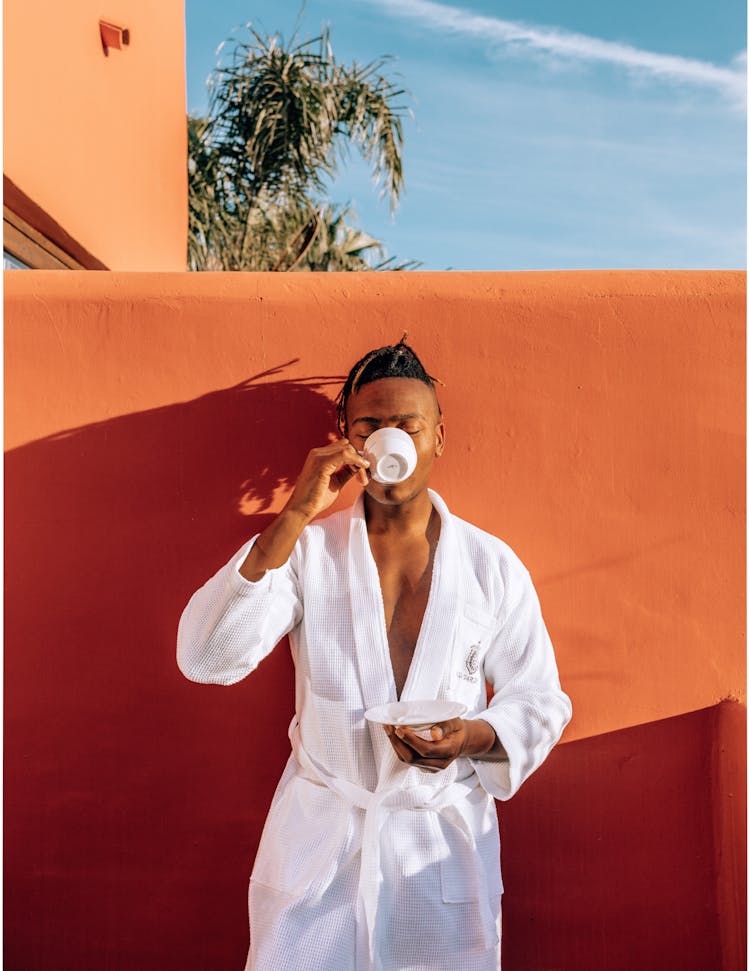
(595, 421)
(100, 142)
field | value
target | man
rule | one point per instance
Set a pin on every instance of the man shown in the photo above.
(381, 848)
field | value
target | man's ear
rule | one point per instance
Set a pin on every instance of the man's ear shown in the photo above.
(440, 437)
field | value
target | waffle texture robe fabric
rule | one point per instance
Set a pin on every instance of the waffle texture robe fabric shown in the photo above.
(365, 863)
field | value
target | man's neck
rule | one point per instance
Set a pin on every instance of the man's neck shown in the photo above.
(408, 520)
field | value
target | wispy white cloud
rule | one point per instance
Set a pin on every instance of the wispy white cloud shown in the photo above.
(558, 43)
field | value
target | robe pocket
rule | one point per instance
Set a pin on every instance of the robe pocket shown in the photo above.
(470, 870)
(474, 633)
(465, 878)
(304, 838)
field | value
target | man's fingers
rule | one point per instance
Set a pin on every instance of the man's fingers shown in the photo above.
(405, 752)
(440, 747)
(346, 472)
(410, 757)
(344, 452)
(452, 725)
(342, 476)
(429, 755)
(333, 447)
(401, 749)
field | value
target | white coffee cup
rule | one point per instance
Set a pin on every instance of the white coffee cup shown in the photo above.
(391, 455)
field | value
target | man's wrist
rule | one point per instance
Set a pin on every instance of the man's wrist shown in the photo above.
(480, 737)
(295, 517)
(274, 545)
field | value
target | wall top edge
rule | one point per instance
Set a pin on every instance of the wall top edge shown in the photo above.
(116, 286)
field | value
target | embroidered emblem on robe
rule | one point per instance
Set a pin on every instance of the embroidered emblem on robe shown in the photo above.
(471, 663)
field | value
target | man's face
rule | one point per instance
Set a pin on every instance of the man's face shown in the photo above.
(404, 403)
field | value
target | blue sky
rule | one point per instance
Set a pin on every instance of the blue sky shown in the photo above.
(545, 135)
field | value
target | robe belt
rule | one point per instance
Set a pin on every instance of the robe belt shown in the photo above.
(445, 800)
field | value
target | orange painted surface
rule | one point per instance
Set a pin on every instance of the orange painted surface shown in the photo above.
(100, 142)
(595, 422)
(154, 421)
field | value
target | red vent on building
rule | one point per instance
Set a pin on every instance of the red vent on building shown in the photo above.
(113, 36)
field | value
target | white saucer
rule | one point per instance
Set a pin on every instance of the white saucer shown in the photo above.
(416, 714)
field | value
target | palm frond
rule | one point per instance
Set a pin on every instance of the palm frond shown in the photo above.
(280, 117)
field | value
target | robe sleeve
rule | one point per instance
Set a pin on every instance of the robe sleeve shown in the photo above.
(528, 710)
(230, 624)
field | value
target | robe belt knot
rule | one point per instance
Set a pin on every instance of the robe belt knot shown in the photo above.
(446, 800)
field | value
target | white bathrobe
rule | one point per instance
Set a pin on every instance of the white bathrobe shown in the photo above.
(366, 863)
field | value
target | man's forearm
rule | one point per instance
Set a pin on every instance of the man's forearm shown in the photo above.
(274, 545)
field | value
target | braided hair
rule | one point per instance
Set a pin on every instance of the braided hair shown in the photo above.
(393, 361)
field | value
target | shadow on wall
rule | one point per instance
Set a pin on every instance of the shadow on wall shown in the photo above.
(626, 852)
(136, 798)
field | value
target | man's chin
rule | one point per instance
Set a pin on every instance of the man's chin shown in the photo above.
(392, 495)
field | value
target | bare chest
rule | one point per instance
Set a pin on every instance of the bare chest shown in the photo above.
(405, 584)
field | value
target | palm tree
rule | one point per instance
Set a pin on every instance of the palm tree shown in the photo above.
(279, 121)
